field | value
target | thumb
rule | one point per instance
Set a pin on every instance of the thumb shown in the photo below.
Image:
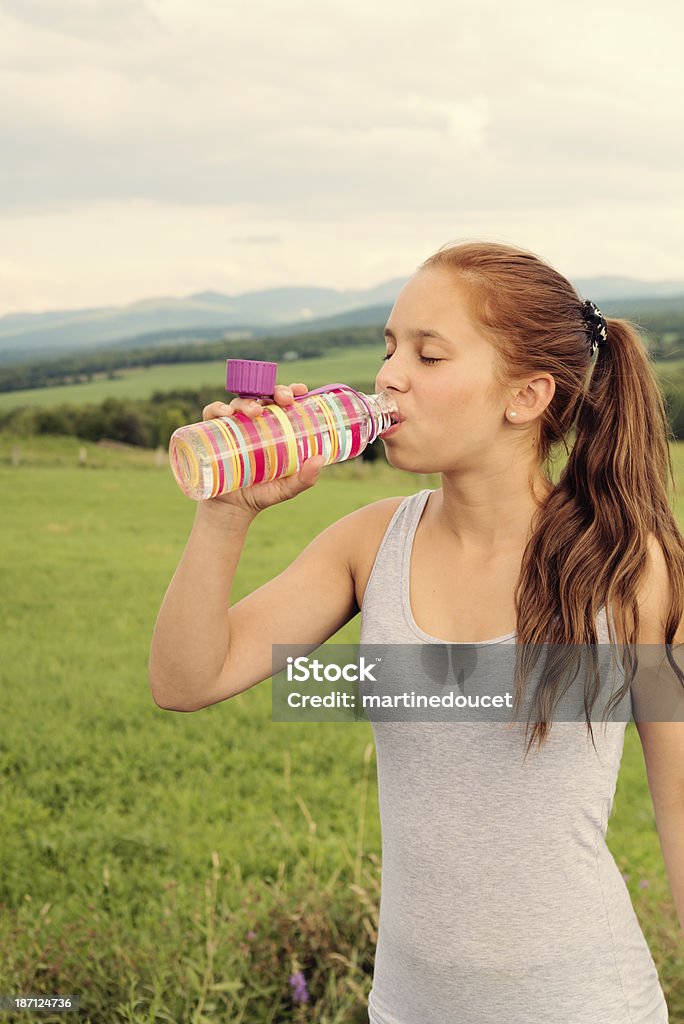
(291, 486)
(310, 469)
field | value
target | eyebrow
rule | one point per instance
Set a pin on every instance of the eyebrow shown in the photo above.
(416, 332)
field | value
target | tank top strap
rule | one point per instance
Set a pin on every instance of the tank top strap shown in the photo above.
(382, 615)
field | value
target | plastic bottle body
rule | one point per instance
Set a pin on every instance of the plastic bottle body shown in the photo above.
(224, 454)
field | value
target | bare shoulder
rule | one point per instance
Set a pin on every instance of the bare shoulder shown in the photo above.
(656, 597)
(662, 740)
(653, 596)
(365, 528)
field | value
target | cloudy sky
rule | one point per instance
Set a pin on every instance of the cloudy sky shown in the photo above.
(161, 147)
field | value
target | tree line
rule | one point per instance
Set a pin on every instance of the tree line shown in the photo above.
(149, 423)
(146, 423)
(77, 369)
(663, 336)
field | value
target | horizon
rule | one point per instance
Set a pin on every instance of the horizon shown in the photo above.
(164, 297)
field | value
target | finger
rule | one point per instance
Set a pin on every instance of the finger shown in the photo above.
(298, 388)
(244, 405)
(283, 395)
(214, 409)
(250, 406)
(311, 468)
(291, 486)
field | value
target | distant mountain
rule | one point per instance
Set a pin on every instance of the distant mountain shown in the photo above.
(268, 311)
(606, 288)
(59, 332)
(365, 316)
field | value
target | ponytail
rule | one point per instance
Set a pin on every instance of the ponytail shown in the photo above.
(590, 546)
(593, 536)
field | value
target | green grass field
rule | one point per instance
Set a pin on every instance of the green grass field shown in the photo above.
(348, 365)
(179, 867)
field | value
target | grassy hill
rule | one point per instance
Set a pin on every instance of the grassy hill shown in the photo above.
(156, 863)
(359, 364)
(356, 364)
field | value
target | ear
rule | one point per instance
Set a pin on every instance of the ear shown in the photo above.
(531, 400)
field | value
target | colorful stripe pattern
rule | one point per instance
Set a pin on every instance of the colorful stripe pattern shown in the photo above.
(230, 452)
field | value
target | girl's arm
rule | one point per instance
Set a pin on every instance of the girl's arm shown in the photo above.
(663, 746)
(662, 741)
(204, 651)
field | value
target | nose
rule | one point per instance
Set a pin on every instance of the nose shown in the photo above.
(392, 375)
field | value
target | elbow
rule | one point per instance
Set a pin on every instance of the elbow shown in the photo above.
(164, 701)
(169, 705)
(167, 700)
(171, 692)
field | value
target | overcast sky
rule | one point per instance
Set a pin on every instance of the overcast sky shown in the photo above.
(161, 147)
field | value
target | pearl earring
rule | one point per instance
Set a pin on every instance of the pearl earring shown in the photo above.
(512, 413)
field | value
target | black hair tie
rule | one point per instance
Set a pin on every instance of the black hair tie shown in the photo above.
(595, 323)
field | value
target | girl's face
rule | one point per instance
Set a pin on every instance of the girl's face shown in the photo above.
(440, 370)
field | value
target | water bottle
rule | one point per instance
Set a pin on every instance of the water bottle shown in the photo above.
(229, 452)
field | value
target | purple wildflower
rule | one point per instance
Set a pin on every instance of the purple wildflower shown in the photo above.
(251, 935)
(625, 876)
(643, 884)
(300, 993)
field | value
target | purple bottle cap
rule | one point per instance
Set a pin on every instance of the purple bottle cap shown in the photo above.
(250, 378)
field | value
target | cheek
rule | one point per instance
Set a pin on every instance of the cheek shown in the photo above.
(471, 394)
(455, 401)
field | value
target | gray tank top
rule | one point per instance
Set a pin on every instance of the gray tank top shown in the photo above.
(501, 902)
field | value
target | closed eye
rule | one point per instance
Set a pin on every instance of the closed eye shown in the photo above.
(426, 360)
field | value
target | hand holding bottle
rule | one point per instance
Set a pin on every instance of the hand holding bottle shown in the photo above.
(247, 443)
(256, 498)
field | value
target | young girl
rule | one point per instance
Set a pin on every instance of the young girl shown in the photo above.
(501, 903)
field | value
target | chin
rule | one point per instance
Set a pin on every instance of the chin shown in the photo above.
(406, 463)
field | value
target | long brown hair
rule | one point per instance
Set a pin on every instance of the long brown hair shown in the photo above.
(589, 547)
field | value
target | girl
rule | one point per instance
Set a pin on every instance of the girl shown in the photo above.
(501, 903)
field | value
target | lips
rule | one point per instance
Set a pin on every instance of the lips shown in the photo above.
(397, 420)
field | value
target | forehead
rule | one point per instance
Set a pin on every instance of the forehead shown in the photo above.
(432, 300)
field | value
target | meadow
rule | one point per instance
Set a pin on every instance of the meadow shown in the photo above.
(348, 365)
(185, 867)
(355, 365)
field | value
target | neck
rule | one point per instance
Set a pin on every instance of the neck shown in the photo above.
(486, 519)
